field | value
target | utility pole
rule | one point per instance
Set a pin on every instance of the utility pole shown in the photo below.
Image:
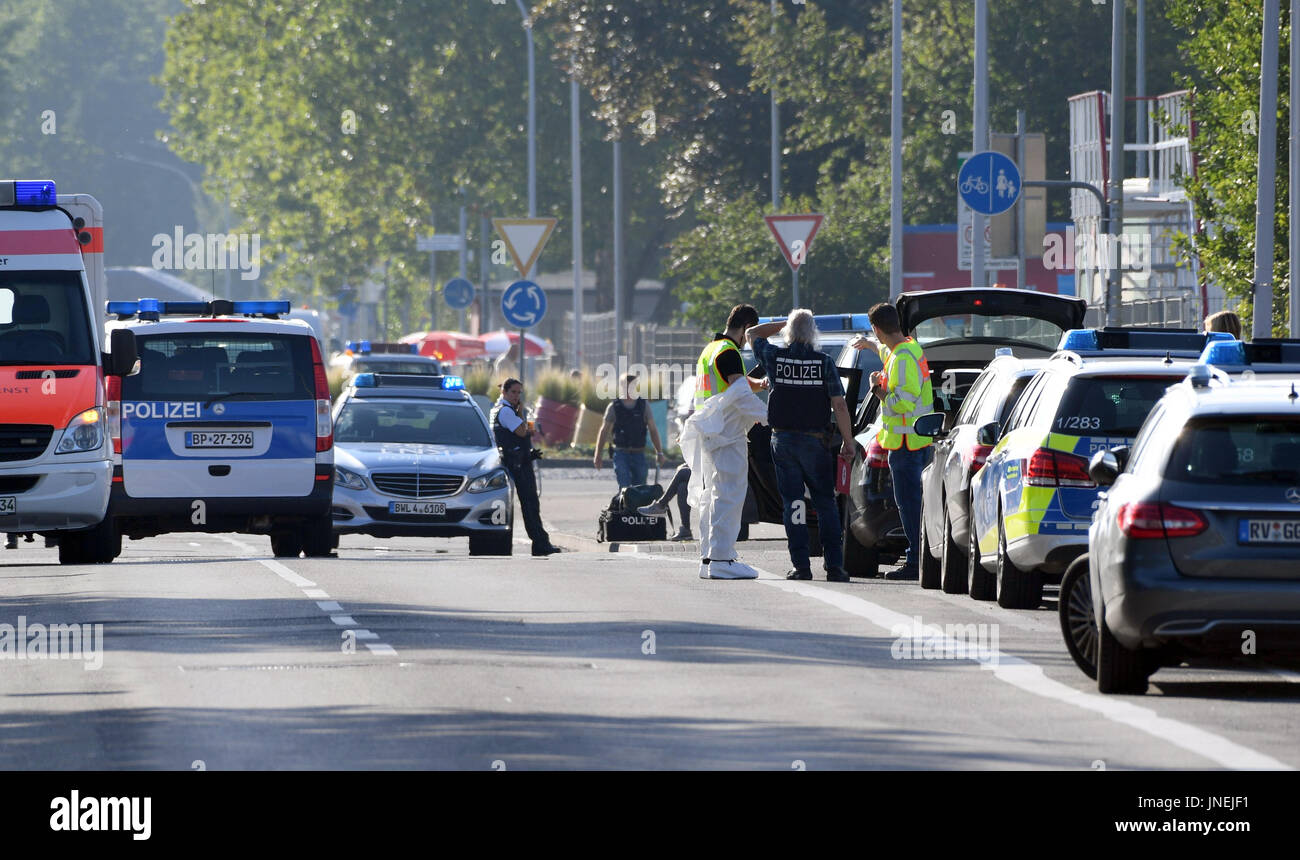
(464, 254)
(1140, 86)
(776, 138)
(484, 263)
(896, 154)
(532, 115)
(980, 140)
(618, 247)
(1115, 190)
(1266, 174)
(576, 158)
(1020, 202)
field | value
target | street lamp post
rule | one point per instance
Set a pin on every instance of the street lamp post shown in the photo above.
(532, 115)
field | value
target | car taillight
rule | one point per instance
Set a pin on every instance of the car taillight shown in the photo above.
(324, 427)
(113, 407)
(1048, 468)
(975, 456)
(1157, 519)
(877, 457)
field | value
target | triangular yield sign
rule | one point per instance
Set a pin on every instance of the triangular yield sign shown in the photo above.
(524, 238)
(794, 235)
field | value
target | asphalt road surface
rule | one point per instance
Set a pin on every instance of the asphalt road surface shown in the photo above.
(406, 653)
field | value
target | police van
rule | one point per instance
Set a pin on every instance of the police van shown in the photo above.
(226, 428)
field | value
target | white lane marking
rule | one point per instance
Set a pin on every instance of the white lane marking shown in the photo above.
(329, 606)
(381, 648)
(1030, 677)
(316, 593)
(193, 543)
(344, 620)
(285, 573)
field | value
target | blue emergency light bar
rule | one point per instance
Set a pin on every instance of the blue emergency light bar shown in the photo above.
(407, 380)
(831, 322)
(28, 193)
(152, 309)
(1185, 342)
(1264, 354)
(365, 347)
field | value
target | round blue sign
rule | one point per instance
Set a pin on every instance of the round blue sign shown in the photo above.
(523, 304)
(989, 183)
(458, 293)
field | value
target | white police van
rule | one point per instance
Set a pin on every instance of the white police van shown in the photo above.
(225, 428)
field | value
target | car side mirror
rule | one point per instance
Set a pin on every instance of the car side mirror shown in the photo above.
(1121, 453)
(930, 424)
(1104, 468)
(123, 355)
(989, 433)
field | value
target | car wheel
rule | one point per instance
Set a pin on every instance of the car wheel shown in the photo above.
(859, 560)
(1120, 670)
(286, 545)
(98, 545)
(929, 564)
(1017, 589)
(318, 537)
(1078, 622)
(492, 543)
(952, 564)
(983, 584)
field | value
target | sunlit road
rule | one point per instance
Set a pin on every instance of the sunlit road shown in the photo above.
(408, 653)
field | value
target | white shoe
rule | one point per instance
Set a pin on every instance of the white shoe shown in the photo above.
(731, 570)
(704, 569)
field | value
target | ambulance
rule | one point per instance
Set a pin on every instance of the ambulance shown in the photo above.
(56, 456)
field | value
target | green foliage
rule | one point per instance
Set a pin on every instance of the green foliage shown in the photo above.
(559, 386)
(1223, 40)
(479, 380)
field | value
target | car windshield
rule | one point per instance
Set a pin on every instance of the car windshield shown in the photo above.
(201, 365)
(43, 319)
(1003, 328)
(411, 422)
(1108, 405)
(1238, 449)
(419, 368)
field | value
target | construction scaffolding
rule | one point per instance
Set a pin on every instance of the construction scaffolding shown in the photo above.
(1160, 286)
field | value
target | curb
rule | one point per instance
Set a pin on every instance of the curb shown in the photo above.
(577, 543)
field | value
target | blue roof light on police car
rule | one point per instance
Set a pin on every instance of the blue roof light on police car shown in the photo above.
(364, 380)
(122, 309)
(1230, 352)
(1079, 338)
(35, 192)
(452, 383)
(266, 308)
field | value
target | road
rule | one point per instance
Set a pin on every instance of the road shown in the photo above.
(406, 653)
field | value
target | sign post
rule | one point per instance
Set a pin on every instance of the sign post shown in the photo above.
(523, 303)
(794, 235)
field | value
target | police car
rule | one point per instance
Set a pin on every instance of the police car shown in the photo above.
(367, 357)
(415, 457)
(225, 428)
(1032, 503)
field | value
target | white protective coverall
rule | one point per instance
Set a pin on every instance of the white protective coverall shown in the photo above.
(714, 443)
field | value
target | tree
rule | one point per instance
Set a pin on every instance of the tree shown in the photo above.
(1223, 39)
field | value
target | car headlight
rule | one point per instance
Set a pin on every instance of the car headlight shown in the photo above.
(491, 481)
(348, 478)
(84, 433)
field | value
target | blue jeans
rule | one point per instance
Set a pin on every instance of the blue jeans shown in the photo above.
(905, 469)
(803, 461)
(629, 468)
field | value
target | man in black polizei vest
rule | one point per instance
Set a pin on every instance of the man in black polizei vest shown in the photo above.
(514, 440)
(806, 400)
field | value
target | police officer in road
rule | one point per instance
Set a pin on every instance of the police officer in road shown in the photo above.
(806, 400)
(514, 440)
(904, 391)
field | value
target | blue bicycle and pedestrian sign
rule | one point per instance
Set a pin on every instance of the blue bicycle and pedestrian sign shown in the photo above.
(523, 304)
(458, 293)
(989, 183)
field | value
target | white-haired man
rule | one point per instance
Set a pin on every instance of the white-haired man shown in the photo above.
(805, 409)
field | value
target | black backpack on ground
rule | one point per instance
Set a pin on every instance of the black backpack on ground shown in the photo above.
(620, 520)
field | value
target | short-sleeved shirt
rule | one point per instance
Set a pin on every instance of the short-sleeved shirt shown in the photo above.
(803, 382)
(729, 362)
(507, 416)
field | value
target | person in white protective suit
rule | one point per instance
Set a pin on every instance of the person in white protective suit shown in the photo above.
(715, 444)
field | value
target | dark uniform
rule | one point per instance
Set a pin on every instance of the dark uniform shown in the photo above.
(517, 457)
(803, 381)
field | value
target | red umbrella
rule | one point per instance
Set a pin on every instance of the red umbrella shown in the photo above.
(447, 345)
(497, 342)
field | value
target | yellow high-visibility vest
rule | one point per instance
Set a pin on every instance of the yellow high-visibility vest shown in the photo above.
(708, 381)
(907, 394)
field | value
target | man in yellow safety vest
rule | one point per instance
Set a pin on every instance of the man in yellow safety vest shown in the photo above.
(904, 391)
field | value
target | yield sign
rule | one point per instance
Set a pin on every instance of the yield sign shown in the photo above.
(524, 238)
(794, 234)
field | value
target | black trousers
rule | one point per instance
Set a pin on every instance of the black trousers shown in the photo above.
(521, 472)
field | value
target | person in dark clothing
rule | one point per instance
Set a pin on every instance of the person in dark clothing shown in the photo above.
(806, 400)
(514, 439)
(629, 418)
(676, 489)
